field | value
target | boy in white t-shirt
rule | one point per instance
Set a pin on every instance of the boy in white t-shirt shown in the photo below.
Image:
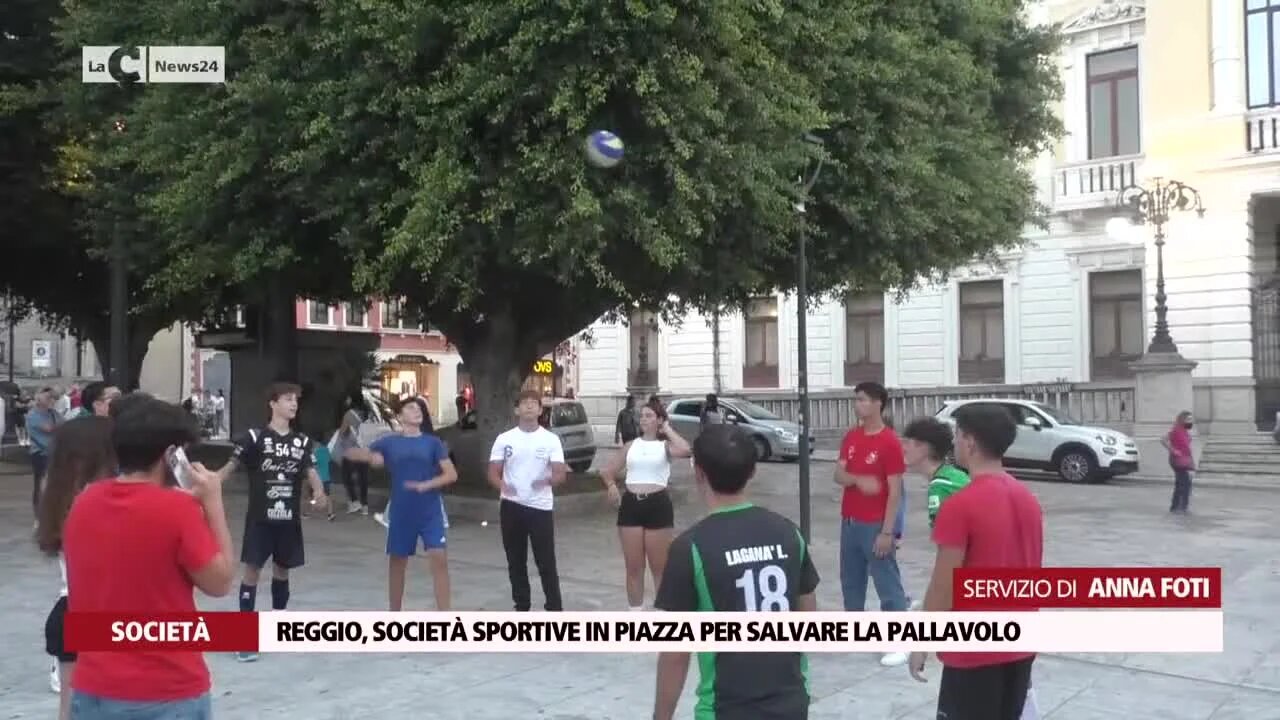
(525, 463)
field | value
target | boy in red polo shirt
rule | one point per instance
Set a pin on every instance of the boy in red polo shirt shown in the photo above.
(870, 470)
(993, 522)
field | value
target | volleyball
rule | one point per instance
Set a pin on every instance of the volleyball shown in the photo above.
(604, 149)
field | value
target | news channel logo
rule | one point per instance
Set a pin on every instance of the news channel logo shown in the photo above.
(155, 64)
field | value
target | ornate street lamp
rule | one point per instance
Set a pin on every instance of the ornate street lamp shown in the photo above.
(802, 343)
(1153, 205)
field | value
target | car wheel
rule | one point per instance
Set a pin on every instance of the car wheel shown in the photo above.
(762, 448)
(1076, 464)
(581, 466)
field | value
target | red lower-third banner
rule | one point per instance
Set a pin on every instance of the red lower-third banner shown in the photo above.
(206, 632)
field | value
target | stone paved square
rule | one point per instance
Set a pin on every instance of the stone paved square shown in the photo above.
(1112, 524)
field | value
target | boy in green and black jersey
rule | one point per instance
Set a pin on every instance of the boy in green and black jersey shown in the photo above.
(740, 558)
(926, 444)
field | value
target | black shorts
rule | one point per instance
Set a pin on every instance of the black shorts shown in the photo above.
(993, 692)
(651, 511)
(53, 632)
(279, 541)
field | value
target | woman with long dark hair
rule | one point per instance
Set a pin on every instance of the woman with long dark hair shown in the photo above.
(646, 517)
(82, 453)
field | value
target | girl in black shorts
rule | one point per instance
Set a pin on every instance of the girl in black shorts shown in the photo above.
(645, 514)
(82, 453)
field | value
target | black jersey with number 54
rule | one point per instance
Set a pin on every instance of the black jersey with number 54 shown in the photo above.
(742, 558)
(276, 463)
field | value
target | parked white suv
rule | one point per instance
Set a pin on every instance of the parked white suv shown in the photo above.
(1049, 439)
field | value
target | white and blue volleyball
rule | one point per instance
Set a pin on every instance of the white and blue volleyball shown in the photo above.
(604, 149)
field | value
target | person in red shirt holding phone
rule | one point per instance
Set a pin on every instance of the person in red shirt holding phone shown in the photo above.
(993, 522)
(870, 469)
(163, 542)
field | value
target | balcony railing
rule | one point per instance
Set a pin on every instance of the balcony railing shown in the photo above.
(1108, 404)
(1262, 131)
(1093, 184)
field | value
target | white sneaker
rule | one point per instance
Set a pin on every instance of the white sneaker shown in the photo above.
(382, 520)
(55, 680)
(353, 508)
(917, 605)
(894, 659)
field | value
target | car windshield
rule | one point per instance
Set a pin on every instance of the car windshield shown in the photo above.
(753, 411)
(566, 414)
(1059, 416)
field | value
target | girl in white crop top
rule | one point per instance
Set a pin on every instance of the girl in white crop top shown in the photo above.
(645, 514)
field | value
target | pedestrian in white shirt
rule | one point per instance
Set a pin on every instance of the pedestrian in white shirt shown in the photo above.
(525, 463)
(219, 412)
(61, 403)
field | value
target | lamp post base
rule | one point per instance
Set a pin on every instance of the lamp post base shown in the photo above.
(1162, 390)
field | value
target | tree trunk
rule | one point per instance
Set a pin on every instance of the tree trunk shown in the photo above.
(140, 334)
(715, 350)
(280, 331)
(498, 359)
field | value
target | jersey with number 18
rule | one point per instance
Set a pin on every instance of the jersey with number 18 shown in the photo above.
(742, 558)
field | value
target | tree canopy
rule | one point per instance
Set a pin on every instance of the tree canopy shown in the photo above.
(434, 151)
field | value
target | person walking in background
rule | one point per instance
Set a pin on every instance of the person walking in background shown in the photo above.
(220, 413)
(73, 396)
(96, 399)
(460, 404)
(994, 522)
(717, 566)
(21, 406)
(323, 460)
(645, 513)
(82, 453)
(41, 421)
(61, 403)
(628, 425)
(164, 542)
(524, 464)
(355, 475)
(870, 469)
(1181, 459)
(711, 412)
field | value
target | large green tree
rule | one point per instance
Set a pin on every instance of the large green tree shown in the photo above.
(66, 191)
(438, 147)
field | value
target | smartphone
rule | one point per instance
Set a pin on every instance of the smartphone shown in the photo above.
(181, 468)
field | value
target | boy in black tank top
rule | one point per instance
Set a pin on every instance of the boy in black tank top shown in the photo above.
(740, 558)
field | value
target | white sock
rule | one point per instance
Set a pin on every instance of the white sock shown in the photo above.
(636, 609)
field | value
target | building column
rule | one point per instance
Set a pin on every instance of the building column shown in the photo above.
(1227, 56)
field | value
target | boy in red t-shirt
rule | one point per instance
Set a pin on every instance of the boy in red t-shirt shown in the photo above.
(870, 469)
(993, 522)
(163, 541)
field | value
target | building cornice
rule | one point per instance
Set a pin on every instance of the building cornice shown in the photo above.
(1109, 12)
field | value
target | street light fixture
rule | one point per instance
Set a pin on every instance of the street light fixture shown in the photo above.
(1153, 205)
(802, 341)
